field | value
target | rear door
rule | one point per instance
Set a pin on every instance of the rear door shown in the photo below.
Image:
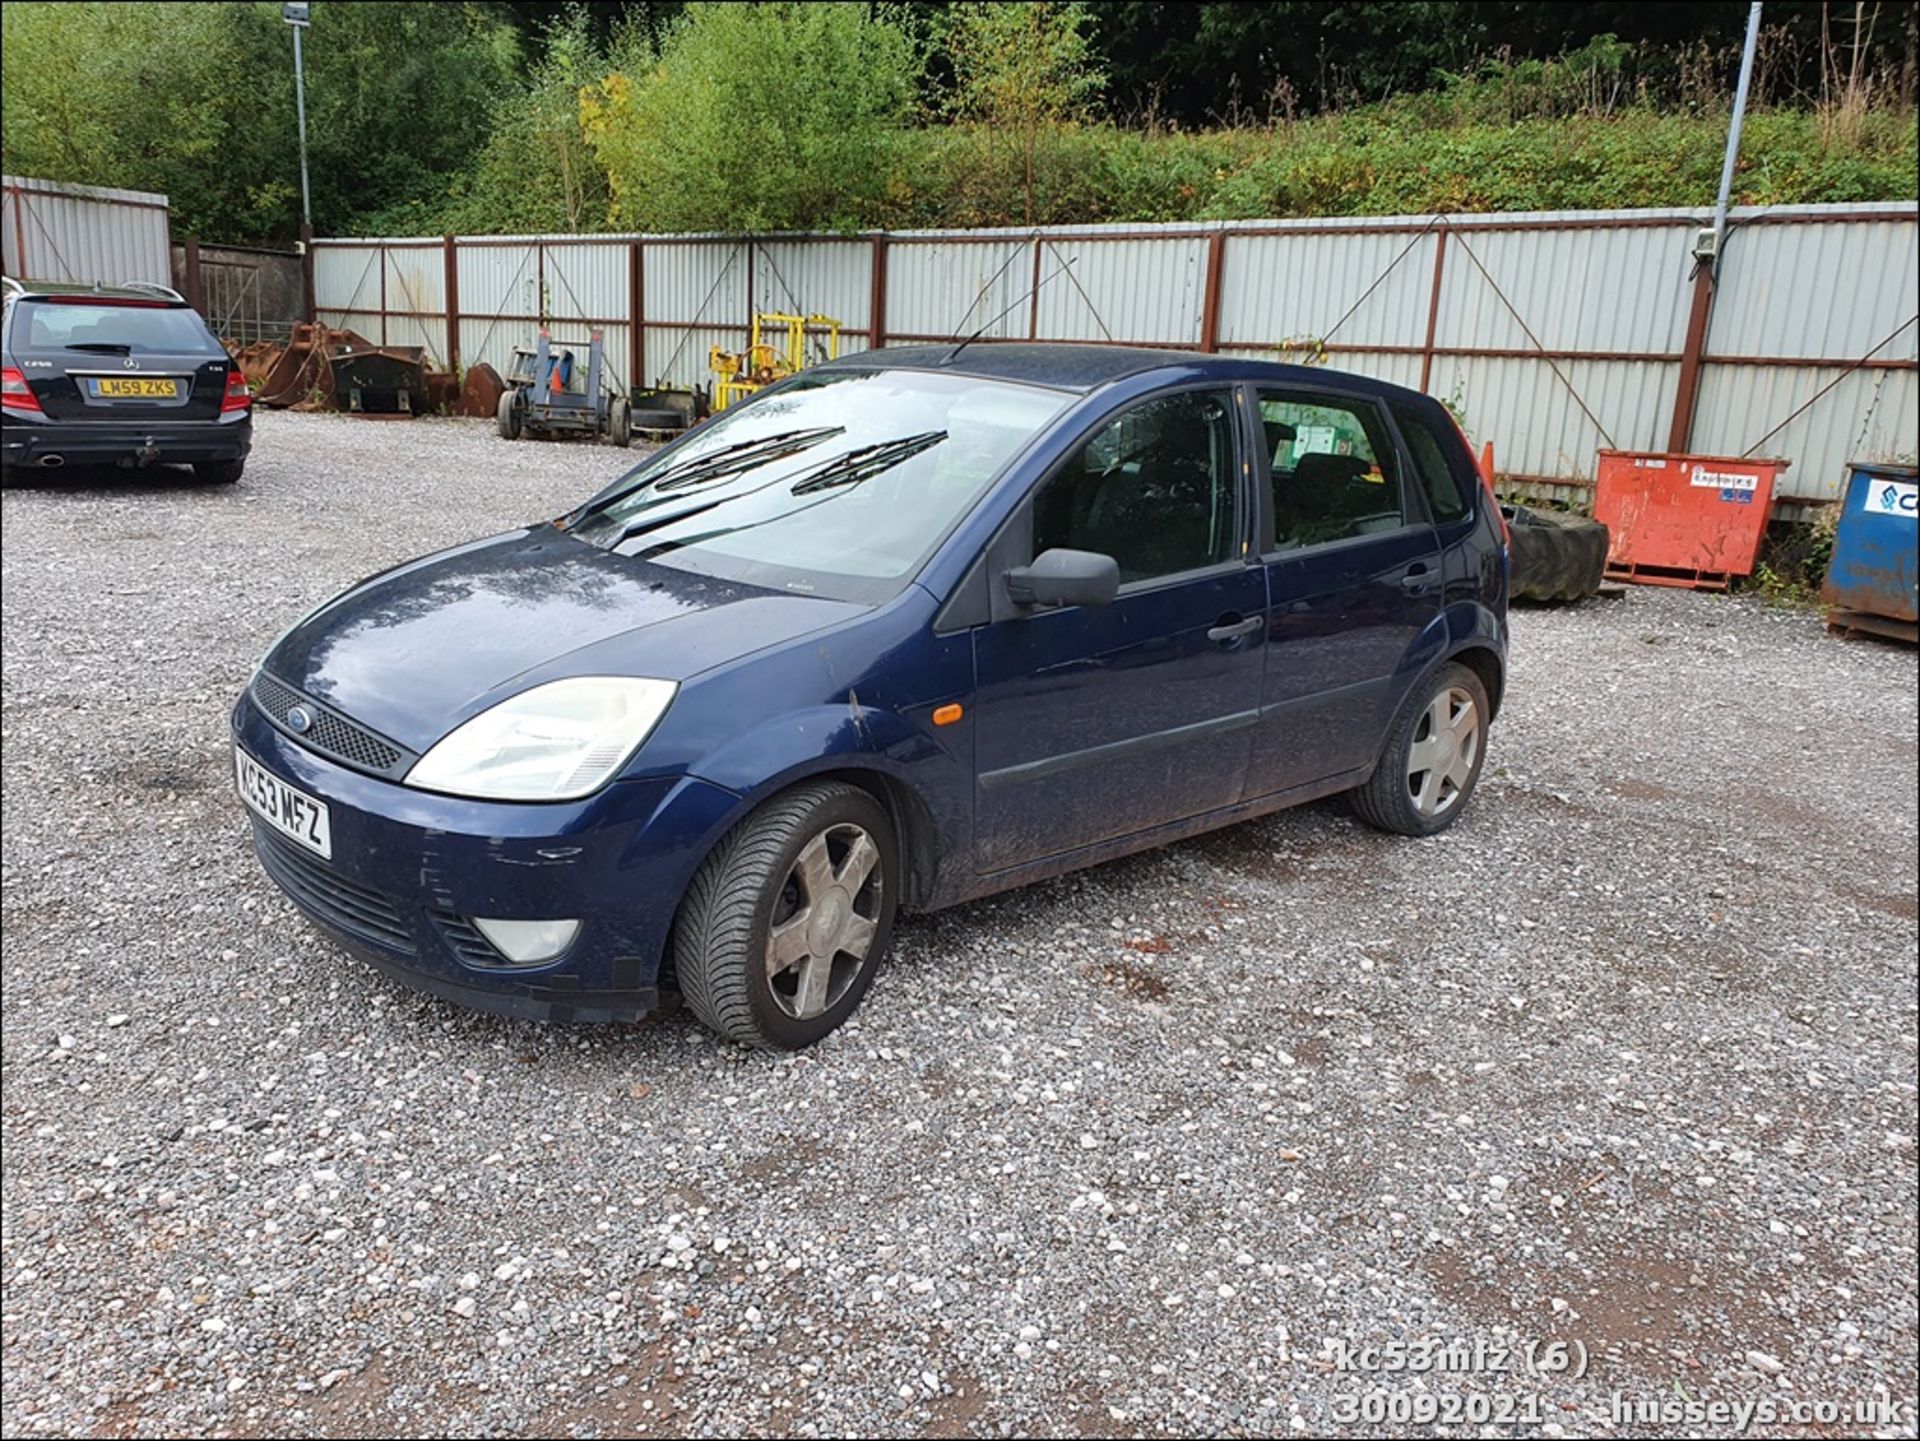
(1353, 577)
(107, 358)
(1097, 722)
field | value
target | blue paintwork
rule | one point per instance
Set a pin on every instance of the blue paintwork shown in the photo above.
(1087, 732)
(1874, 569)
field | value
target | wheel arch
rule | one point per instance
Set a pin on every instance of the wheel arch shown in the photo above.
(1485, 662)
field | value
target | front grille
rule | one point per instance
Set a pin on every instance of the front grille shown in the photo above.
(466, 941)
(331, 733)
(354, 908)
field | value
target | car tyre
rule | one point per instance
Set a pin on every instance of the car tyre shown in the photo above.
(1556, 556)
(508, 414)
(620, 421)
(658, 418)
(218, 472)
(782, 928)
(1432, 757)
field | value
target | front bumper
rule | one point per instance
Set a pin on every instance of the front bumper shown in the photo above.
(410, 869)
(26, 443)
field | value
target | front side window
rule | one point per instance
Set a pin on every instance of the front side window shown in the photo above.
(839, 484)
(1155, 488)
(1333, 470)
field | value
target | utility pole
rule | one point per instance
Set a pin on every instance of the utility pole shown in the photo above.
(1733, 131)
(299, 16)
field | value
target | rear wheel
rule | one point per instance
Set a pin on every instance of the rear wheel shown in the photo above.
(1432, 759)
(218, 472)
(780, 931)
(508, 415)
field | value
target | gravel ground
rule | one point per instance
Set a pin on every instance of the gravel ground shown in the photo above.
(1627, 1059)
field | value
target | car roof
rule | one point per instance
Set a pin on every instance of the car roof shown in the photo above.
(1084, 368)
(46, 289)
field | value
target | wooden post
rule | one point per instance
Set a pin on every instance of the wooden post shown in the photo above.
(453, 305)
(190, 268)
(1210, 305)
(877, 300)
(1687, 395)
(636, 315)
(1433, 306)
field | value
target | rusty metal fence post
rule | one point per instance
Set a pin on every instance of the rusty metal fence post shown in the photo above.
(1210, 304)
(453, 303)
(877, 297)
(1433, 307)
(190, 268)
(1687, 394)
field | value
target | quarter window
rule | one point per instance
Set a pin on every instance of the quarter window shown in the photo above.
(1333, 470)
(1430, 463)
(1155, 489)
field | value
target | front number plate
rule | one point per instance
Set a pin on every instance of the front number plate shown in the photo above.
(293, 813)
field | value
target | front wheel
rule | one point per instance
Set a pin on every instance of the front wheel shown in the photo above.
(781, 929)
(508, 415)
(1432, 758)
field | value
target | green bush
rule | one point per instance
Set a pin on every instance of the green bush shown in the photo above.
(753, 117)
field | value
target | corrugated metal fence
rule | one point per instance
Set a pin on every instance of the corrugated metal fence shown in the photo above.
(1553, 334)
(83, 233)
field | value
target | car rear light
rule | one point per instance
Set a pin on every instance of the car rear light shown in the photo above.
(238, 397)
(16, 394)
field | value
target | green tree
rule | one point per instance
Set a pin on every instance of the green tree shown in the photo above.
(1023, 69)
(196, 101)
(753, 117)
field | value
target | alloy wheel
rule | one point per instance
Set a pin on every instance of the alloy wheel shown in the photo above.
(824, 921)
(1445, 746)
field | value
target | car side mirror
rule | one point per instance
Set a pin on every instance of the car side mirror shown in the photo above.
(1065, 577)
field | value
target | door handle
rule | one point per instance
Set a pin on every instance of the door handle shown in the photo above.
(1228, 631)
(1416, 580)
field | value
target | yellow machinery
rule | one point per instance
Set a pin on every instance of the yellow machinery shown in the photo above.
(737, 374)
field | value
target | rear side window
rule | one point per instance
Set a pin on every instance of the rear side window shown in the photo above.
(1333, 469)
(115, 329)
(1430, 463)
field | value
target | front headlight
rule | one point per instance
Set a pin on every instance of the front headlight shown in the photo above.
(556, 742)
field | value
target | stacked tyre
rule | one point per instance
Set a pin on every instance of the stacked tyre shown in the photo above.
(1556, 556)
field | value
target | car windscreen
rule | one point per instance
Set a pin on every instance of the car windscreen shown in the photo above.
(133, 329)
(838, 484)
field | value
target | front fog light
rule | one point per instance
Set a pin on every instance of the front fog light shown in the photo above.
(524, 941)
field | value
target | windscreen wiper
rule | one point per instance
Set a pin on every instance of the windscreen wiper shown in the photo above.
(867, 462)
(744, 453)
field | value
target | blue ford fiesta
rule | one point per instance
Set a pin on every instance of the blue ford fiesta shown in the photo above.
(899, 631)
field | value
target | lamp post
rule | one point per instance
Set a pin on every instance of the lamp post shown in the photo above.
(299, 15)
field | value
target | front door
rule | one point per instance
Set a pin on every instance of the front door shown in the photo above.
(1096, 722)
(1353, 578)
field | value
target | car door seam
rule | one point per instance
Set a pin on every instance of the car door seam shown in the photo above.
(1093, 755)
